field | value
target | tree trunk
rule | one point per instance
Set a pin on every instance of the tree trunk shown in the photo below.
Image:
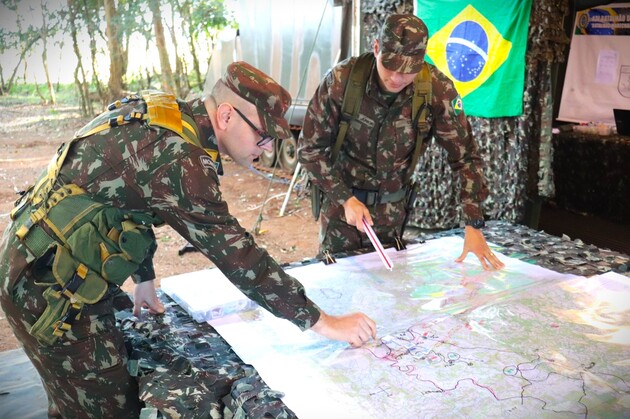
(25, 49)
(179, 73)
(51, 88)
(160, 41)
(86, 104)
(184, 11)
(77, 82)
(2, 86)
(39, 93)
(114, 85)
(93, 30)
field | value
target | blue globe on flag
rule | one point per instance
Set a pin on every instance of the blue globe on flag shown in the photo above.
(467, 51)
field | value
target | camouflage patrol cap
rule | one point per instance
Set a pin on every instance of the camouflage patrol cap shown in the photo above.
(403, 42)
(271, 99)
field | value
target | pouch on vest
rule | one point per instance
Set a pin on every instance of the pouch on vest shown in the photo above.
(112, 243)
(69, 292)
(96, 244)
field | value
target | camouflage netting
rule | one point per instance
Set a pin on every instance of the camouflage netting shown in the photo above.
(517, 151)
(186, 370)
(374, 14)
(560, 254)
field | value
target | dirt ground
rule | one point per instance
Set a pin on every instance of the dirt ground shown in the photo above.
(30, 134)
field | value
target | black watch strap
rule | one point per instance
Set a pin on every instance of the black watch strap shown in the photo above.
(478, 224)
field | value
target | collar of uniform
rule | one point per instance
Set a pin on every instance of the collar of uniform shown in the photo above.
(374, 91)
(206, 132)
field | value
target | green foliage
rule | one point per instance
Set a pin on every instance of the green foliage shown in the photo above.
(27, 93)
(210, 16)
(199, 21)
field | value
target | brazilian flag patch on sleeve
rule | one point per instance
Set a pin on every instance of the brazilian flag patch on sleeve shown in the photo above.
(458, 105)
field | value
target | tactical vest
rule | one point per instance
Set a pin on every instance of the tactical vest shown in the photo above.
(78, 246)
(351, 106)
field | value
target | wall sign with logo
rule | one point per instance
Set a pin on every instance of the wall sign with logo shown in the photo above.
(598, 71)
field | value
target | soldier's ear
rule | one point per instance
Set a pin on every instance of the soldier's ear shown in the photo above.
(376, 47)
(224, 113)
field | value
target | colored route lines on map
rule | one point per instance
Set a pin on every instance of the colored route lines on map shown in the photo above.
(432, 365)
(453, 341)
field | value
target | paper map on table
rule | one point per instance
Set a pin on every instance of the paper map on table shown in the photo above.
(454, 340)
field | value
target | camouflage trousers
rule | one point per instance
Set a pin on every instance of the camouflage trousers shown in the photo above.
(336, 235)
(85, 372)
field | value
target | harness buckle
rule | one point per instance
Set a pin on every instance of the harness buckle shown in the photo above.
(328, 258)
(400, 244)
(65, 323)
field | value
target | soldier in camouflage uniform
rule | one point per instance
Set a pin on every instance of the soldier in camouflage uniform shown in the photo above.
(152, 172)
(377, 149)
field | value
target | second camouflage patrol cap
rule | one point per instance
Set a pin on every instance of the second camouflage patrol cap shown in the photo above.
(271, 99)
(403, 42)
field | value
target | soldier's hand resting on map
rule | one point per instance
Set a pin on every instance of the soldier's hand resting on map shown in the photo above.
(476, 243)
(356, 328)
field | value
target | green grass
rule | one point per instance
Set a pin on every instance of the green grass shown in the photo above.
(27, 94)
(66, 94)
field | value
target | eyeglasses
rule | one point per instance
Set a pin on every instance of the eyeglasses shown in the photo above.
(265, 137)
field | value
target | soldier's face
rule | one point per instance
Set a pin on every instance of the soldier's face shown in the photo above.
(391, 81)
(242, 141)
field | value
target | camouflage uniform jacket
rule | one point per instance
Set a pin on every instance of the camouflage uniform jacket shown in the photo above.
(378, 147)
(156, 172)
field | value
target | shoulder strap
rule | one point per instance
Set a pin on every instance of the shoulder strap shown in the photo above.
(352, 97)
(420, 111)
(162, 111)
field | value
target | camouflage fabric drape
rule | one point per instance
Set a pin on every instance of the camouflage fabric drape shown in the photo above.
(517, 151)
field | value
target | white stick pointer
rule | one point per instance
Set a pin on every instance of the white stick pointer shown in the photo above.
(377, 245)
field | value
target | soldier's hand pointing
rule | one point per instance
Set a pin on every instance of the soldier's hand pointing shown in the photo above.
(355, 328)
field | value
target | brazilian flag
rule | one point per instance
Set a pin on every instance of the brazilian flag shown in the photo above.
(480, 45)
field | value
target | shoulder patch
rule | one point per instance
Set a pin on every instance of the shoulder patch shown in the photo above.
(458, 105)
(207, 162)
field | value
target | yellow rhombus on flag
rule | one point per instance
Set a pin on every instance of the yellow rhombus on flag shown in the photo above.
(496, 54)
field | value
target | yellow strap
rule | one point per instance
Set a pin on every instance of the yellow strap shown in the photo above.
(162, 111)
(113, 234)
(43, 187)
(42, 211)
(34, 218)
(22, 232)
(104, 251)
(55, 230)
(214, 154)
(63, 192)
(422, 90)
(96, 129)
(128, 225)
(422, 95)
(188, 126)
(82, 271)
